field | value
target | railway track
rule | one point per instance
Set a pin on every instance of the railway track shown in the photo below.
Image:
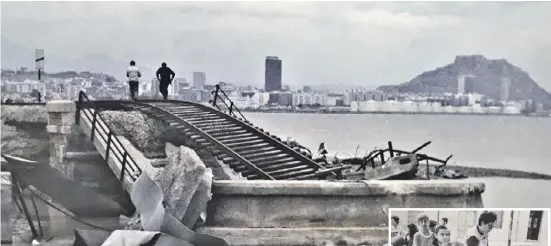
(246, 149)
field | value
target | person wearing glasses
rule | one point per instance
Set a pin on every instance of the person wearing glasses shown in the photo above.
(486, 222)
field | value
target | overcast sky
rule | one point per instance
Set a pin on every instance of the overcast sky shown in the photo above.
(361, 43)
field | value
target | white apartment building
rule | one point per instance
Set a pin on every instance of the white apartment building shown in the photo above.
(25, 87)
(251, 99)
(310, 98)
(521, 227)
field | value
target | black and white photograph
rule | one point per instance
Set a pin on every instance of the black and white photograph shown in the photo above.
(469, 227)
(261, 122)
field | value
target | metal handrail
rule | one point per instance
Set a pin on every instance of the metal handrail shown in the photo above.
(231, 107)
(129, 165)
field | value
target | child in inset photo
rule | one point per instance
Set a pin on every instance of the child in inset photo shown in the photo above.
(424, 237)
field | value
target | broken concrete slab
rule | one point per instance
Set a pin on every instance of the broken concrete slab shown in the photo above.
(147, 196)
(180, 179)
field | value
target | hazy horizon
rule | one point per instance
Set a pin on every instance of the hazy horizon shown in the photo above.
(320, 43)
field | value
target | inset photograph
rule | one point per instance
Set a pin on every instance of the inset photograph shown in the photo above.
(469, 227)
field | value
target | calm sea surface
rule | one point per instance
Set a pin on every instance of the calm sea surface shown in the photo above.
(521, 143)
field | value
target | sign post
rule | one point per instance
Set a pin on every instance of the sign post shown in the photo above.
(39, 60)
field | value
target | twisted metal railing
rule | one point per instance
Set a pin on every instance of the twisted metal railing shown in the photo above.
(114, 145)
(232, 109)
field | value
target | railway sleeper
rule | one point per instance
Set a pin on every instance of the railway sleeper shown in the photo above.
(215, 126)
(238, 138)
(291, 175)
(200, 119)
(226, 133)
(207, 123)
(260, 161)
(248, 145)
(277, 161)
(261, 154)
(257, 150)
(194, 115)
(284, 165)
(274, 168)
(185, 111)
(284, 176)
(225, 129)
(169, 105)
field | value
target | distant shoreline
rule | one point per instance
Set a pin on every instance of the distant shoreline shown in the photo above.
(382, 112)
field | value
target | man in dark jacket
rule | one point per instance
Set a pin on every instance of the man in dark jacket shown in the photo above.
(165, 75)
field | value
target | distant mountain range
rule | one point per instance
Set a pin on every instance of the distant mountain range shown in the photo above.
(485, 76)
(14, 56)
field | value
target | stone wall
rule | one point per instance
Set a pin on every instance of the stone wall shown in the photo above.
(24, 113)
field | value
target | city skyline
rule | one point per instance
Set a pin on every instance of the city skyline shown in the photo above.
(368, 43)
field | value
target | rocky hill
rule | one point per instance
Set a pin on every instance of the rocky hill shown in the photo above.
(485, 78)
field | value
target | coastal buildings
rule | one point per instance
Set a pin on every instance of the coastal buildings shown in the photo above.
(425, 107)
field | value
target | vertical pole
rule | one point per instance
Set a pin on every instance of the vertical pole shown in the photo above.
(37, 216)
(77, 113)
(94, 121)
(215, 95)
(39, 75)
(24, 205)
(108, 148)
(428, 177)
(123, 168)
(510, 229)
(390, 149)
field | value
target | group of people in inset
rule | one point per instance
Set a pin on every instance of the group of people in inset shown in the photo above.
(427, 232)
(164, 74)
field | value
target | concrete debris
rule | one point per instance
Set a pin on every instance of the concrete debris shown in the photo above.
(147, 196)
(129, 238)
(185, 179)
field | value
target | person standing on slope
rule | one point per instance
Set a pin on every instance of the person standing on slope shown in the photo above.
(165, 75)
(133, 74)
